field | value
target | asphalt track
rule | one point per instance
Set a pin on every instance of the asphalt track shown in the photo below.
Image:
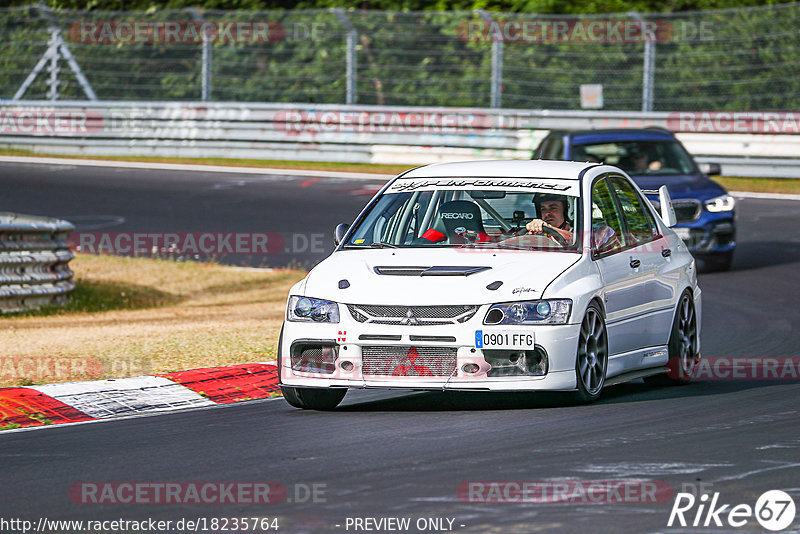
(303, 211)
(387, 454)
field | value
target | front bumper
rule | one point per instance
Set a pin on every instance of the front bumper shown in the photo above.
(702, 231)
(349, 339)
(709, 234)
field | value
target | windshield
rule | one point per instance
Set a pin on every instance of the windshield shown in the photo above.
(486, 213)
(638, 158)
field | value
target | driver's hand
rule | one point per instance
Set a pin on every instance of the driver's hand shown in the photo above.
(535, 226)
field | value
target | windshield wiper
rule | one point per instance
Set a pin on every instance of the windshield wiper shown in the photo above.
(497, 245)
(501, 245)
(371, 245)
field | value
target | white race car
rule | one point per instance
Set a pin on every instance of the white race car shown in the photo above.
(496, 276)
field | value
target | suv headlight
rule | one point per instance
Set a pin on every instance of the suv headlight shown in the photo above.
(551, 311)
(312, 310)
(720, 203)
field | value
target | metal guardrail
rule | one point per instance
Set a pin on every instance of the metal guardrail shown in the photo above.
(367, 134)
(34, 259)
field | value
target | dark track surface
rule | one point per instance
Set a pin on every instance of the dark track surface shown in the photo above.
(304, 210)
(404, 454)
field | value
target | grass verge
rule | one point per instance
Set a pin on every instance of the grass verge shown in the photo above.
(258, 163)
(759, 185)
(134, 316)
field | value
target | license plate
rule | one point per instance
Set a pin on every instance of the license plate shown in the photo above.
(503, 340)
(683, 233)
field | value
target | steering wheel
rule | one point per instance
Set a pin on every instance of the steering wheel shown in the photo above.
(545, 230)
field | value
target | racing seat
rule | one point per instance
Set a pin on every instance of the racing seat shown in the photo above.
(459, 216)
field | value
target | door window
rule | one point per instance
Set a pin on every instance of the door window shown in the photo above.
(639, 222)
(606, 230)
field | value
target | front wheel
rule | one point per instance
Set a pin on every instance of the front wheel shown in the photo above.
(591, 362)
(313, 398)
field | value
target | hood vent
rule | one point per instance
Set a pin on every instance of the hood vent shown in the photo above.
(439, 270)
(401, 271)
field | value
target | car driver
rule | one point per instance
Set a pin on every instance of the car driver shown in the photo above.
(553, 212)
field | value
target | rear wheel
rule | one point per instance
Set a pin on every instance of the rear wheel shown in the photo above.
(591, 362)
(683, 345)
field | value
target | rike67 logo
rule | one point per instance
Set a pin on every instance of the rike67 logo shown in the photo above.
(774, 510)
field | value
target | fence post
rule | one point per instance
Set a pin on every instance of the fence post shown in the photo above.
(206, 88)
(205, 69)
(649, 65)
(352, 39)
(497, 59)
(52, 68)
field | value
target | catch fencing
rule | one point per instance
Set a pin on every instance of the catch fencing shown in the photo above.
(745, 144)
(735, 59)
(34, 258)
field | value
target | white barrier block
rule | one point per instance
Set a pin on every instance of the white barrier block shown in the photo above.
(124, 396)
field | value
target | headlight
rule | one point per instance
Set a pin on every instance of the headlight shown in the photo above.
(720, 203)
(312, 310)
(552, 311)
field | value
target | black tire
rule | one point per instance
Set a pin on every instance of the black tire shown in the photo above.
(591, 360)
(683, 345)
(290, 396)
(313, 398)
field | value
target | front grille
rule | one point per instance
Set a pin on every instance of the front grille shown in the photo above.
(686, 210)
(412, 315)
(408, 361)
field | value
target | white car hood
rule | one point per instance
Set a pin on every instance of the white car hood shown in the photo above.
(524, 275)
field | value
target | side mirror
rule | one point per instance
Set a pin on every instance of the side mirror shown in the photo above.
(339, 233)
(711, 169)
(667, 210)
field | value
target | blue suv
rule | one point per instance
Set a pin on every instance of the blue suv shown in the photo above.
(654, 157)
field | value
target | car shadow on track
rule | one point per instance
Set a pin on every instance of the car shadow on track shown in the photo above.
(636, 391)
